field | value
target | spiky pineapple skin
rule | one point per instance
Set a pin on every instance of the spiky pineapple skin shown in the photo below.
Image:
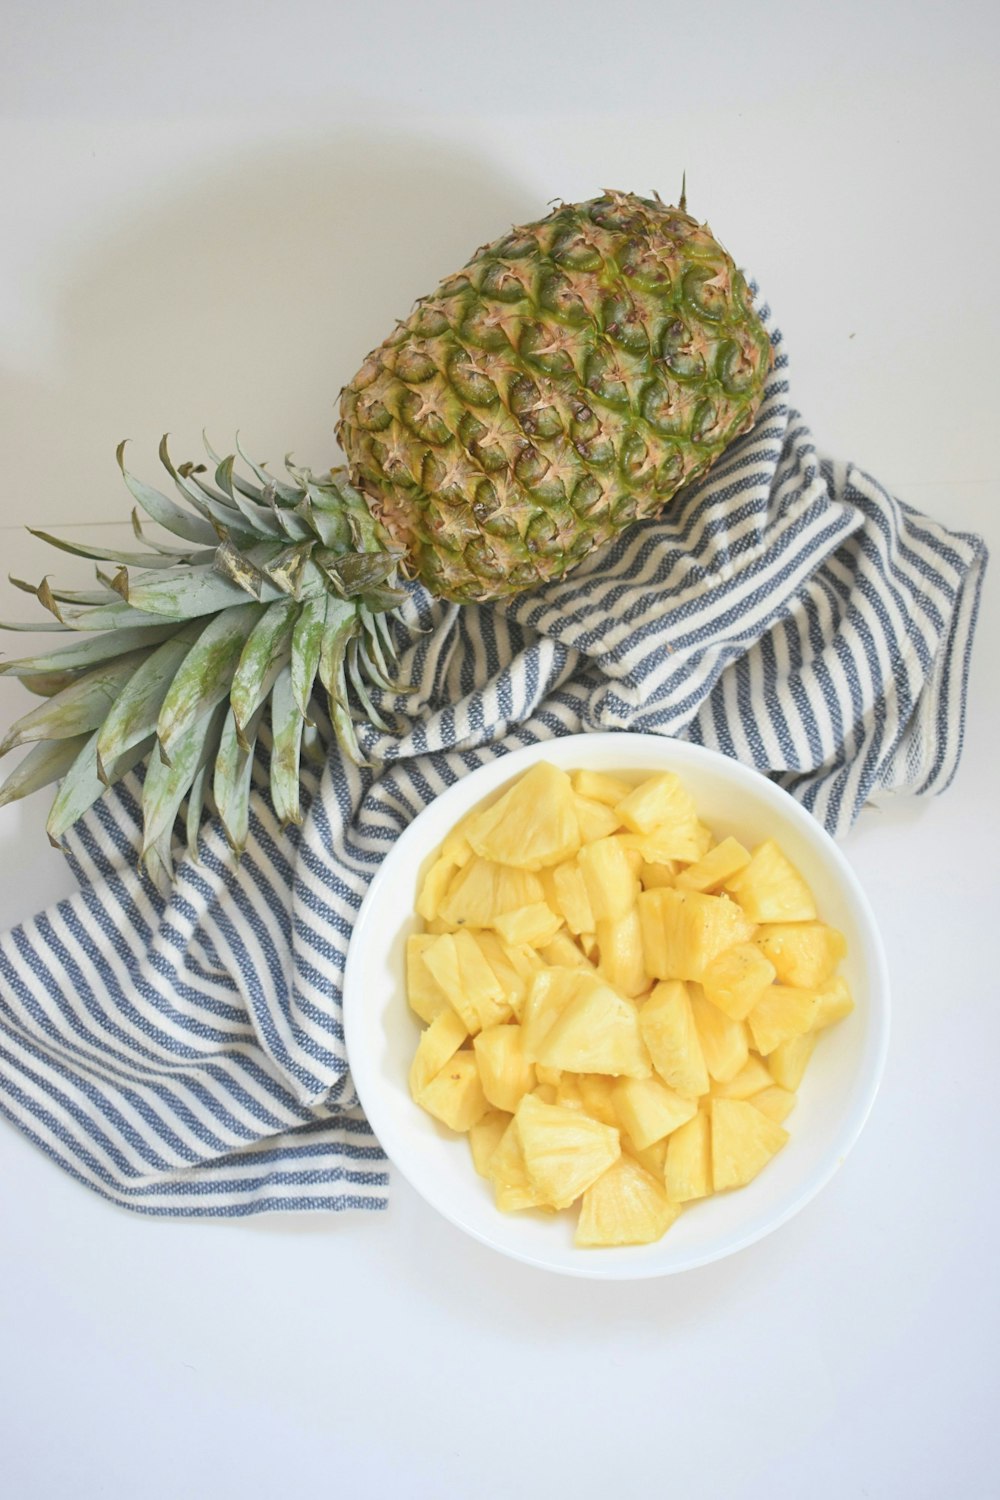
(566, 383)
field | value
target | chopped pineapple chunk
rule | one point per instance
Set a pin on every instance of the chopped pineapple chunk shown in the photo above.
(482, 891)
(625, 1206)
(507, 1172)
(436, 1047)
(743, 1142)
(648, 1110)
(654, 877)
(564, 1151)
(714, 868)
(563, 953)
(682, 931)
(667, 1025)
(456, 961)
(534, 925)
(770, 888)
(781, 1013)
(600, 787)
(835, 1002)
(619, 942)
(485, 1137)
(736, 978)
(596, 1092)
(571, 899)
(513, 972)
(661, 801)
(751, 1079)
(550, 993)
(455, 1095)
(597, 820)
(611, 885)
(533, 824)
(788, 1062)
(689, 1160)
(427, 998)
(802, 953)
(597, 1032)
(724, 1044)
(504, 1071)
(777, 1103)
(433, 887)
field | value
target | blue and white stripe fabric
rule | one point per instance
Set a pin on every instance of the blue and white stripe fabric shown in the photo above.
(185, 1056)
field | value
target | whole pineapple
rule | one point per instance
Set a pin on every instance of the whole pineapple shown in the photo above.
(566, 383)
(562, 385)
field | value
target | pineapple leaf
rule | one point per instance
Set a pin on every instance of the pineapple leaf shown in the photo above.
(111, 554)
(238, 567)
(287, 567)
(64, 596)
(212, 506)
(43, 764)
(195, 807)
(287, 724)
(45, 684)
(81, 786)
(246, 500)
(167, 785)
(234, 776)
(281, 491)
(78, 708)
(180, 595)
(268, 643)
(167, 513)
(355, 671)
(86, 653)
(307, 643)
(133, 716)
(205, 677)
(110, 617)
(331, 671)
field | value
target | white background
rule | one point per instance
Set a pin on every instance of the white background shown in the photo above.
(210, 212)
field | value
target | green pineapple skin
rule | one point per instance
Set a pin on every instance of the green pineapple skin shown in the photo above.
(563, 385)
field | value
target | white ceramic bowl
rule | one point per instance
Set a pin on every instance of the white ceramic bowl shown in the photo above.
(836, 1094)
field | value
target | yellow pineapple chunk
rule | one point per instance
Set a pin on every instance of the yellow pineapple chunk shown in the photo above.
(571, 899)
(507, 1172)
(426, 997)
(653, 1158)
(743, 1142)
(688, 1172)
(658, 802)
(597, 1032)
(533, 824)
(600, 787)
(607, 873)
(802, 953)
(564, 1151)
(788, 1062)
(563, 953)
(724, 1043)
(568, 1092)
(485, 1137)
(654, 877)
(436, 925)
(456, 846)
(715, 867)
(456, 961)
(625, 1206)
(455, 1095)
(682, 931)
(648, 1110)
(504, 1071)
(436, 1047)
(596, 1092)
(777, 1103)
(534, 925)
(482, 891)
(597, 820)
(835, 1002)
(546, 1092)
(770, 888)
(667, 1025)
(435, 884)
(680, 844)
(736, 978)
(781, 1013)
(513, 974)
(548, 1075)
(622, 964)
(751, 1079)
(550, 993)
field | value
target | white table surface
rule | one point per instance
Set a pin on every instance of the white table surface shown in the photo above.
(210, 213)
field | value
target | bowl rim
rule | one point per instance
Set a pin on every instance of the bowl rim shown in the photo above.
(504, 768)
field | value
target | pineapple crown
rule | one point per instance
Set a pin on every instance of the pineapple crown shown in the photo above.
(265, 586)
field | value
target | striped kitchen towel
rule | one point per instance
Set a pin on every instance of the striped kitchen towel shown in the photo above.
(185, 1056)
